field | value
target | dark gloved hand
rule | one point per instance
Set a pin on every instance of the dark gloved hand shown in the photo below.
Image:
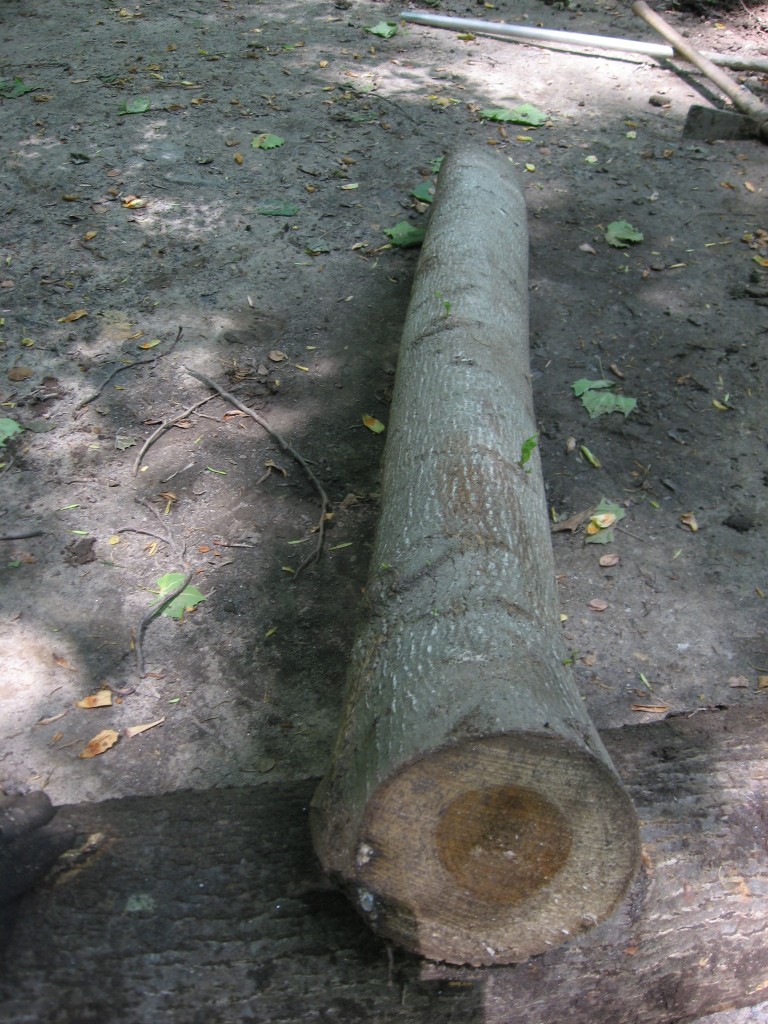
(29, 847)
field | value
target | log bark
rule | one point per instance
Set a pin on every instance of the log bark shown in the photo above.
(471, 809)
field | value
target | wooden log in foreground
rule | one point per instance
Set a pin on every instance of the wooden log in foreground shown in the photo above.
(471, 809)
(206, 906)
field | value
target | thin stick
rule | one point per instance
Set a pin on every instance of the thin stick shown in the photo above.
(129, 366)
(145, 533)
(283, 444)
(151, 614)
(166, 425)
(21, 534)
(168, 534)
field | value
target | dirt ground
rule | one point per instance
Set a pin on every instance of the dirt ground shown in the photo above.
(155, 223)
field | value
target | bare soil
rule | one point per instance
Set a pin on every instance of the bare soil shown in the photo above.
(139, 244)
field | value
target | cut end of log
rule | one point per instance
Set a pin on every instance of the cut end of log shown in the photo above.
(489, 851)
(502, 843)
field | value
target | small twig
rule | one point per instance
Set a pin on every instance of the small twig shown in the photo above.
(165, 425)
(395, 104)
(144, 533)
(286, 447)
(21, 534)
(169, 536)
(151, 614)
(93, 252)
(129, 366)
(167, 479)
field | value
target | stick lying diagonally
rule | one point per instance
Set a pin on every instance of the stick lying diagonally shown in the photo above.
(741, 98)
(527, 33)
(283, 444)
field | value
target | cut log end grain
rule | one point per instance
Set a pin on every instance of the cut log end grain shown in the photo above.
(491, 851)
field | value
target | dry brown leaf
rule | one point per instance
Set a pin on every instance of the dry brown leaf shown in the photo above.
(607, 561)
(102, 699)
(102, 741)
(277, 356)
(350, 500)
(688, 519)
(762, 682)
(738, 682)
(573, 522)
(651, 709)
(78, 314)
(135, 730)
(19, 373)
(597, 604)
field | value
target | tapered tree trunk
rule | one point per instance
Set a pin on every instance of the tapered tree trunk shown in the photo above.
(471, 809)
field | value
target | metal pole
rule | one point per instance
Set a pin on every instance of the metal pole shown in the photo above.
(548, 35)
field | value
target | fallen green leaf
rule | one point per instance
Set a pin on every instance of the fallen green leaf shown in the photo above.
(279, 210)
(138, 106)
(591, 459)
(405, 235)
(621, 234)
(316, 247)
(599, 400)
(525, 114)
(7, 429)
(601, 403)
(373, 424)
(424, 191)
(187, 600)
(12, 88)
(267, 141)
(582, 385)
(384, 29)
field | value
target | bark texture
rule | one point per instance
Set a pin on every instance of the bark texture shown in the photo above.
(470, 809)
(206, 907)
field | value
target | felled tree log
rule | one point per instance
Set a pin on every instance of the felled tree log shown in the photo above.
(471, 809)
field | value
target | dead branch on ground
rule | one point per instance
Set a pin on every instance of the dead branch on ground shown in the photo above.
(284, 446)
(128, 366)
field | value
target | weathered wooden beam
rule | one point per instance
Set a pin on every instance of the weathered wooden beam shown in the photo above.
(207, 906)
(471, 809)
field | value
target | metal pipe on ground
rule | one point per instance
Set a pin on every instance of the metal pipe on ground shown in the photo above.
(471, 810)
(526, 33)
